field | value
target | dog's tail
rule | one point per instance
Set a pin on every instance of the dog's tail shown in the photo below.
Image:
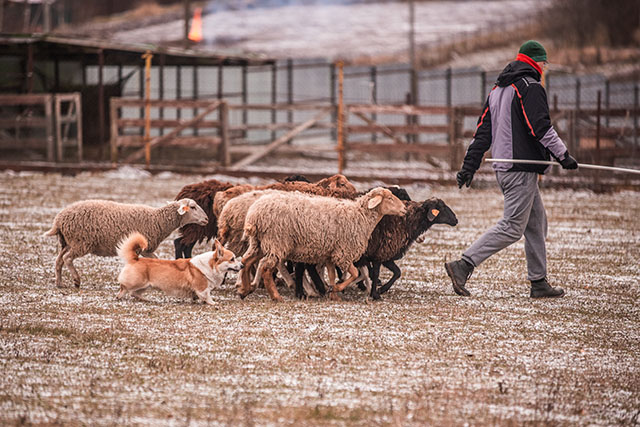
(129, 247)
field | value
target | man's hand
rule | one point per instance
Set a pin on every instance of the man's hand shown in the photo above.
(464, 177)
(568, 162)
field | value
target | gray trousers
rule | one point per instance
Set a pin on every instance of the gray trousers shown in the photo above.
(524, 214)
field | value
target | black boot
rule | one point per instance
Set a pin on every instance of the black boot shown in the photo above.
(542, 289)
(459, 272)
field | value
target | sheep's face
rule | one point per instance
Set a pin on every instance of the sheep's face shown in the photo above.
(336, 182)
(191, 213)
(385, 202)
(438, 212)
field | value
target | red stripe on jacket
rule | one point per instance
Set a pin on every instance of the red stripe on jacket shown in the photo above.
(524, 112)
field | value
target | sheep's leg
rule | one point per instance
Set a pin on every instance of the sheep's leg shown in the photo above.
(396, 275)
(59, 262)
(353, 274)
(188, 249)
(270, 263)
(375, 280)
(68, 261)
(284, 272)
(318, 283)
(257, 275)
(363, 280)
(245, 285)
(299, 276)
(308, 286)
(179, 248)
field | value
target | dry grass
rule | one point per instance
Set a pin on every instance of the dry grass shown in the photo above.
(420, 356)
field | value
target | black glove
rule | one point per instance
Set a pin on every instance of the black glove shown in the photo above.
(568, 162)
(464, 177)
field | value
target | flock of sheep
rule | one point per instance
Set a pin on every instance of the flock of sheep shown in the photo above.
(284, 228)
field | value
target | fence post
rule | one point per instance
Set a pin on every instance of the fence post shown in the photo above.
(448, 78)
(598, 110)
(290, 89)
(224, 153)
(114, 130)
(48, 100)
(635, 116)
(373, 83)
(455, 131)
(195, 96)
(220, 81)
(607, 105)
(340, 117)
(245, 112)
(274, 97)
(577, 116)
(483, 87)
(161, 88)
(147, 107)
(332, 98)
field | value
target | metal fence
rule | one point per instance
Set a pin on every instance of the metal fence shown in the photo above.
(314, 81)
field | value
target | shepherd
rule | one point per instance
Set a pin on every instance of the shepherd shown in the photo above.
(515, 123)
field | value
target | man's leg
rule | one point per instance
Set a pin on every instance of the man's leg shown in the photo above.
(534, 241)
(519, 189)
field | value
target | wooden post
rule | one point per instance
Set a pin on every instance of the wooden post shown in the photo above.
(49, 128)
(290, 88)
(635, 116)
(57, 115)
(78, 101)
(114, 130)
(598, 110)
(29, 67)
(161, 88)
(101, 115)
(340, 117)
(147, 107)
(225, 153)
(195, 95)
(274, 97)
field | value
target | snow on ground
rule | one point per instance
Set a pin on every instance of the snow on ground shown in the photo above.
(420, 356)
(340, 31)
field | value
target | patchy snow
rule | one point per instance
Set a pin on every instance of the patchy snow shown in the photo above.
(420, 356)
(336, 31)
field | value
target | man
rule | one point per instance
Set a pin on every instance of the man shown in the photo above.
(515, 123)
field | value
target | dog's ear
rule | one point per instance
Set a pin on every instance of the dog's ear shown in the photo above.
(218, 248)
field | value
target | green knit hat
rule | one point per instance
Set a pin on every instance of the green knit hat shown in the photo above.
(533, 50)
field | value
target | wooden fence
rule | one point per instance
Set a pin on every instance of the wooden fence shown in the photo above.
(39, 121)
(231, 149)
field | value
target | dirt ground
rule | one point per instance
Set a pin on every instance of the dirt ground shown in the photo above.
(420, 356)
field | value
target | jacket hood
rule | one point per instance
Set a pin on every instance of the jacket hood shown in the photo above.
(514, 71)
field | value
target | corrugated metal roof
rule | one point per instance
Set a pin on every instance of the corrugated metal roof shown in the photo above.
(70, 48)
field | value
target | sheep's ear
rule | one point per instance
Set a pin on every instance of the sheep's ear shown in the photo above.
(432, 214)
(374, 202)
(183, 209)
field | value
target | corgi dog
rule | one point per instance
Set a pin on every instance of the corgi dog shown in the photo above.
(181, 278)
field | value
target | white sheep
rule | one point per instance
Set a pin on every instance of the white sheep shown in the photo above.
(314, 230)
(98, 226)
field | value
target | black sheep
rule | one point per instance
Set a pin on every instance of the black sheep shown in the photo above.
(394, 235)
(203, 193)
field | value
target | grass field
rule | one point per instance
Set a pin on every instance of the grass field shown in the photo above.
(420, 356)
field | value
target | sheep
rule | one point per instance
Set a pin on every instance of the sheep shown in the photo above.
(231, 220)
(190, 234)
(98, 226)
(336, 185)
(393, 236)
(314, 230)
